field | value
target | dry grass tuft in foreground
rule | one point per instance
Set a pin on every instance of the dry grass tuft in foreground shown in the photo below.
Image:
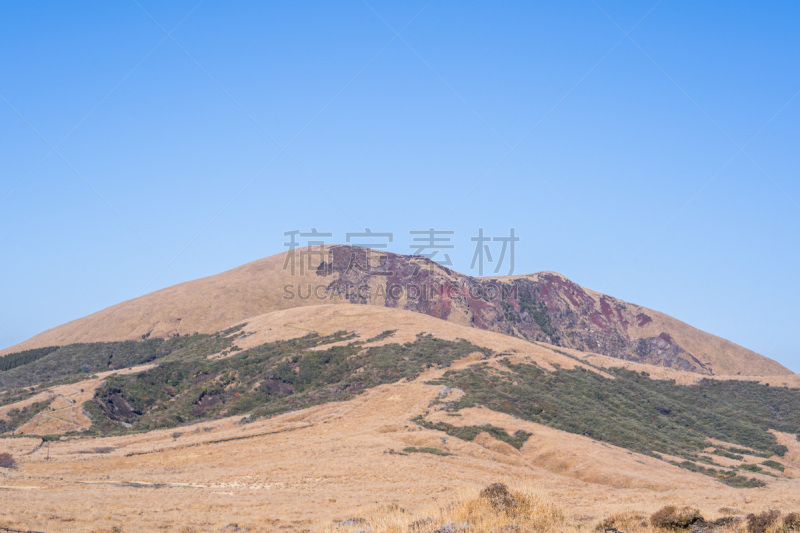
(628, 521)
(496, 508)
(771, 522)
(524, 509)
(671, 517)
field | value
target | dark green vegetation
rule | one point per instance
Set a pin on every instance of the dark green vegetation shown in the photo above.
(16, 395)
(433, 451)
(14, 360)
(725, 453)
(75, 362)
(751, 468)
(381, 336)
(469, 433)
(641, 414)
(530, 308)
(727, 476)
(648, 416)
(775, 465)
(391, 451)
(17, 417)
(263, 381)
(27, 372)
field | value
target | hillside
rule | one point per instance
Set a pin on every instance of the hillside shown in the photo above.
(298, 358)
(290, 421)
(545, 307)
(301, 418)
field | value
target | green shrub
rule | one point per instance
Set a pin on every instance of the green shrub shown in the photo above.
(751, 468)
(729, 455)
(67, 364)
(469, 433)
(775, 465)
(266, 380)
(434, 451)
(391, 451)
(729, 477)
(381, 336)
(17, 417)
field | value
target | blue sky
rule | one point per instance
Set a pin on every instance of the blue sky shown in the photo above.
(648, 150)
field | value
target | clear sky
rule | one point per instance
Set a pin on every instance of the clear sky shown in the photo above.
(648, 150)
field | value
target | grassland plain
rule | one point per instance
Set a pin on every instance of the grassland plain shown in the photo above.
(314, 468)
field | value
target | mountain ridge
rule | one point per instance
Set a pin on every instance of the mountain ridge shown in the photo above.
(543, 307)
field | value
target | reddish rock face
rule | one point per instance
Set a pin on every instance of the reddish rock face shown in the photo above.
(549, 308)
(663, 351)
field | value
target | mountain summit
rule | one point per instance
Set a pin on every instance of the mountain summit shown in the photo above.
(544, 307)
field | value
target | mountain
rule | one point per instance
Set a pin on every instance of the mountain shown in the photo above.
(275, 397)
(343, 406)
(544, 307)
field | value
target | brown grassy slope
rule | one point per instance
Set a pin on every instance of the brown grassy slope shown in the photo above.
(726, 357)
(369, 321)
(211, 304)
(721, 356)
(205, 305)
(305, 469)
(366, 322)
(64, 412)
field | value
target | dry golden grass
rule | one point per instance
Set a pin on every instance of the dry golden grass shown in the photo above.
(367, 321)
(525, 508)
(214, 303)
(529, 511)
(679, 376)
(64, 412)
(205, 305)
(310, 468)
